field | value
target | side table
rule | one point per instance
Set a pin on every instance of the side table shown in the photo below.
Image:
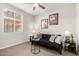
(35, 47)
(71, 47)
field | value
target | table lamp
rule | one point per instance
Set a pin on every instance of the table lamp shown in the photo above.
(67, 36)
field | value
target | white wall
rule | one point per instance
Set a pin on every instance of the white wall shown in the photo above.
(8, 39)
(77, 21)
(66, 19)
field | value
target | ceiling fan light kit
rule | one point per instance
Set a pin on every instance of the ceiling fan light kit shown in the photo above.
(36, 4)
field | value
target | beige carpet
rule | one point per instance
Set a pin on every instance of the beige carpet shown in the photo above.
(25, 50)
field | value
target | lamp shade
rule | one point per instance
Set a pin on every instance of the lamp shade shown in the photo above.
(67, 33)
(33, 31)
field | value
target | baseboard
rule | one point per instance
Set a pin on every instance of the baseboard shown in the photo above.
(12, 45)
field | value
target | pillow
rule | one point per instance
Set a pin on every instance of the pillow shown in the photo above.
(37, 39)
(35, 35)
(39, 35)
(52, 39)
(58, 40)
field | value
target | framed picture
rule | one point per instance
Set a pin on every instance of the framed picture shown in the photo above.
(44, 23)
(53, 19)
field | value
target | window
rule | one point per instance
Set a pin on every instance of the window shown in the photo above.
(12, 22)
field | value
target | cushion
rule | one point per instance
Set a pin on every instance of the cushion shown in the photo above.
(58, 40)
(54, 44)
(52, 39)
(45, 37)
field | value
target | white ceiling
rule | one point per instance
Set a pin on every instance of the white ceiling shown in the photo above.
(27, 7)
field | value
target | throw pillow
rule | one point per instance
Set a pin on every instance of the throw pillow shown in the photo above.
(58, 40)
(52, 39)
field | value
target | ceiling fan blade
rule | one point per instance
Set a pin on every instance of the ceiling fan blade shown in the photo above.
(34, 8)
(42, 6)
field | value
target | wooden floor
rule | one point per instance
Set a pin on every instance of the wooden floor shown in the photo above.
(25, 50)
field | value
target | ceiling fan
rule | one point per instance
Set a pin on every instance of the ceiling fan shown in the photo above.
(35, 5)
(38, 5)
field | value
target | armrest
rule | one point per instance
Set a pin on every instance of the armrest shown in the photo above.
(61, 46)
(31, 37)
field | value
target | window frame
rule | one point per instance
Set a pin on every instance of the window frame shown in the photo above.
(6, 17)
